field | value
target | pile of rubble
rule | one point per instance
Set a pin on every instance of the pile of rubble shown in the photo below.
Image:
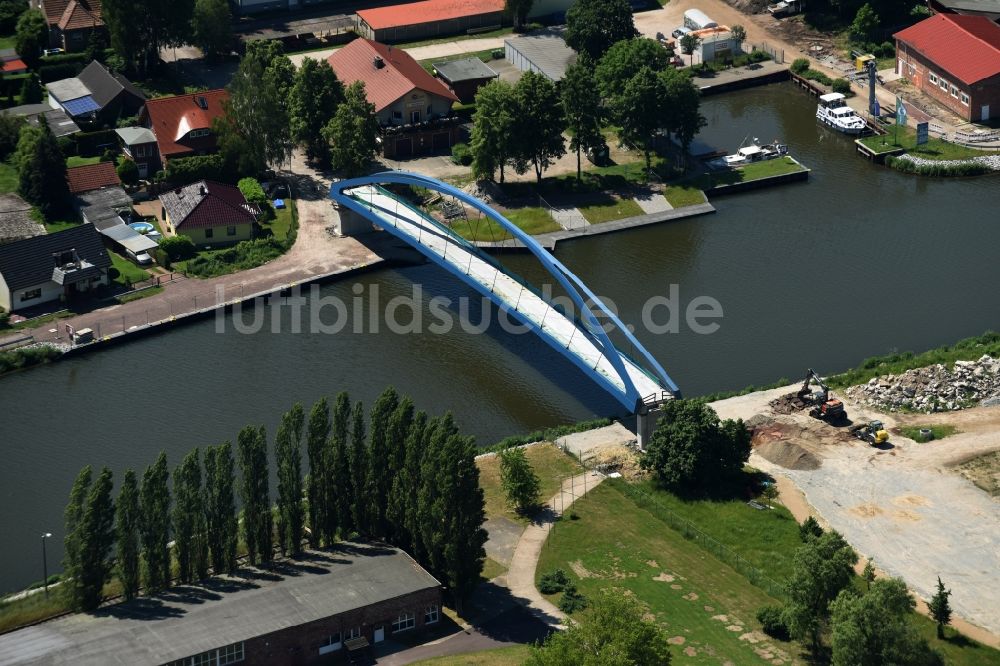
(934, 388)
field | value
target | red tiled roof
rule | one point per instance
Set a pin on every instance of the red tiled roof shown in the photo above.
(385, 85)
(207, 204)
(14, 66)
(967, 47)
(76, 13)
(171, 118)
(91, 177)
(427, 11)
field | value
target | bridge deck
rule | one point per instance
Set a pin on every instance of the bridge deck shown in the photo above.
(464, 260)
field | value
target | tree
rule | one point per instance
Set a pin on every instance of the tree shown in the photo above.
(211, 27)
(617, 633)
(592, 26)
(405, 485)
(822, 567)
(623, 60)
(315, 96)
(683, 101)
(42, 171)
(869, 572)
(220, 507)
(127, 520)
(581, 102)
(689, 44)
(74, 523)
(518, 10)
(640, 112)
(10, 11)
(31, 36)
(191, 546)
(251, 446)
(352, 132)
(154, 530)
(400, 423)
(139, 30)
(517, 478)
(10, 133)
(865, 23)
(320, 458)
(358, 459)
(809, 529)
(940, 607)
(492, 126)
(691, 448)
(739, 34)
(875, 629)
(378, 479)
(432, 508)
(128, 172)
(338, 481)
(96, 540)
(31, 90)
(288, 456)
(539, 124)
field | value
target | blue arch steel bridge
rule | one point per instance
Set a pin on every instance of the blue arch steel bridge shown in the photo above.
(637, 384)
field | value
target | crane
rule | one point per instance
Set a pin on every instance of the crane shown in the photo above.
(822, 406)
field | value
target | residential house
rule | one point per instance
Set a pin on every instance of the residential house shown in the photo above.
(52, 267)
(91, 177)
(329, 607)
(209, 213)
(57, 120)
(96, 94)
(955, 60)
(465, 77)
(71, 22)
(16, 220)
(413, 108)
(100, 200)
(182, 124)
(139, 145)
(12, 63)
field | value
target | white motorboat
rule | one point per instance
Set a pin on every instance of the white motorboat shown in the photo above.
(748, 154)
(834, 113)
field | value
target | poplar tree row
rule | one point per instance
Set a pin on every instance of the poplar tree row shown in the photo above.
(406, 479)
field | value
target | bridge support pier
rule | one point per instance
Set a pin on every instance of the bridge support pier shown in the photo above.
(645, 425)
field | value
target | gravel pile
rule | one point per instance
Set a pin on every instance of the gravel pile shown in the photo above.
(934, 388)
(991, 161)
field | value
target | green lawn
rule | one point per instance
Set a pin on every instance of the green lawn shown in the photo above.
(755, 171)
(680, 196)
(940, 431)
(934, 149)
(128, 273)
(7, 41)
(282, 222)
(550, 464)
(61, 225)
(8, 178)
(613, 209)
(77, 161)
(137, 295)
(531, 220)
(44, 319)
(508, 656)
(703, 603)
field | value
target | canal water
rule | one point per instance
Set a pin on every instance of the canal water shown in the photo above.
(859, 261)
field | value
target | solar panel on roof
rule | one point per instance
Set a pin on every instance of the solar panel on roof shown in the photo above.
(80, 106)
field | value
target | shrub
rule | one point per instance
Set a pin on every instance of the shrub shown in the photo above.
(772, 622)
(885, 50)
(572, 601)
(761, 56)
(552, 582)
(800, 65)
(128, 172)
(178, 248)
(109, 155)
(944, 169)
(184, 170)
(57, 72)
(244, 255)
(23, 358)
(842, 86)
(818, 76)
(461, 154)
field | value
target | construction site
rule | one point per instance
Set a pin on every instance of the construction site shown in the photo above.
(919, 507)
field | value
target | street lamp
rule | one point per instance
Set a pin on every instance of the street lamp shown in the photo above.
(45, 564)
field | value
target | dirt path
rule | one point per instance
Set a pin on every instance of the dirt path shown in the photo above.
(521, 574)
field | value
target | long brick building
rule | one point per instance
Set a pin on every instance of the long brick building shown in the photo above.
(955, 60)
(303, 612)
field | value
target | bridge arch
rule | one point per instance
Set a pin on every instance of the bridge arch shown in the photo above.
(350, 194)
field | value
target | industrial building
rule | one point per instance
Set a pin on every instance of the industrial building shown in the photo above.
(427, 19)
(544, 52)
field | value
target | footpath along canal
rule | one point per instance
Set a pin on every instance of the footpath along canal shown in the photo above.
(859, 260)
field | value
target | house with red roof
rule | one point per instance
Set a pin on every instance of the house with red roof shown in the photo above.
(429, 18)
(92, 177)
(71, 22)
(182, 124)
(955, 59)
(413, 108)
(209, 213)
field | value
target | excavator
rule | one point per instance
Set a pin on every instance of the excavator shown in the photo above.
(821, 405)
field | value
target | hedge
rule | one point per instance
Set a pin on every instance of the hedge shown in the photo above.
(67, 70)
(27, 357)
(184, 170)
(91, 144)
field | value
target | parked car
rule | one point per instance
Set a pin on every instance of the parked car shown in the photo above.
(679, 32)
(141, 258)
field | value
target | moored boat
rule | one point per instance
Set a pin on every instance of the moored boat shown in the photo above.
(834, 113)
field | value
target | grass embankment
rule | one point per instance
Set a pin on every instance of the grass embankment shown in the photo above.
(17, 359)
(706, 605)
(8, 178)
(137, 295)
(39, 321)
(934, 149)
(680, 196)
(608, 211)
(508, 656)
(530, 220)
(550, 464)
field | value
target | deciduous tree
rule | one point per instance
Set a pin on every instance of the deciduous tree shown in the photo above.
(823, 566)
(492, 128)
(592, 26)
(463, 508)
(31, 36)
(689, 44)
(190, 541)
(127, 520)
(352, 132)
(406, 485)
(220, 507)
(339, 483)
(97, 538)
(154, 531)
(517, 478)
(518, 11)
(42, 170)
(378, 480)
(738, 33)
(538, 138)
(320, 457)
(31, 90)
(288, 456)
(581, 102)
(623, 60)
(211, 29)
(257, 523)
(358, 458)
(315, 96)
(73, 516)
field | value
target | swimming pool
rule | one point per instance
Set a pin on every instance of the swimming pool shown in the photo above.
(142, 227)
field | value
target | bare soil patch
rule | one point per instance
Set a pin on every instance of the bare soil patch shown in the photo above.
(984, 471)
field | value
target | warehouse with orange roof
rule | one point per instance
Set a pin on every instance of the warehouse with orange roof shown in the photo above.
(429, 18)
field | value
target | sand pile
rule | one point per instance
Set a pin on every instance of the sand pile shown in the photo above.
(787, 454)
